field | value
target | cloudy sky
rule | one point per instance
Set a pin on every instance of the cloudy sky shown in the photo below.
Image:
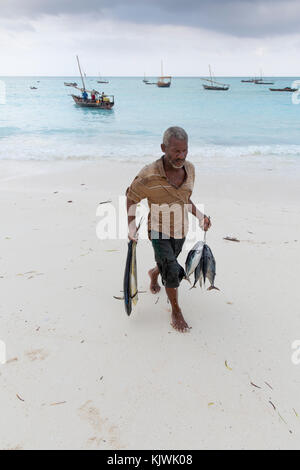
(130, 37)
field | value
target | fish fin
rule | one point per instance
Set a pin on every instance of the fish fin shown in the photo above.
(193, 287)
(213, 288)
(187, 279)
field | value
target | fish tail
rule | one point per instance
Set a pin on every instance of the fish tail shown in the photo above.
(213, 288)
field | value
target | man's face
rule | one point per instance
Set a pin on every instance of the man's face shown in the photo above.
(176, 152)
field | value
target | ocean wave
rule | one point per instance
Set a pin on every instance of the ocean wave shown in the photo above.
(51, 148)
(205, 154)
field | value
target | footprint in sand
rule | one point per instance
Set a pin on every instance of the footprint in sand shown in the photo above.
(106, 433)
(37, 355)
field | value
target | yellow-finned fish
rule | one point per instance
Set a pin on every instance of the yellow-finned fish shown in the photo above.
(130, 277)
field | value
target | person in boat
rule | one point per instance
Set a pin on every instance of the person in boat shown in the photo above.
(85, 96)
(93, 95)
(167, 184)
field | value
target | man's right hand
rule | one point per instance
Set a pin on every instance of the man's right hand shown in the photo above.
(132, 234)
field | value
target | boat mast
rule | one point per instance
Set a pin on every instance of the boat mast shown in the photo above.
(80, 72)
(210, 73)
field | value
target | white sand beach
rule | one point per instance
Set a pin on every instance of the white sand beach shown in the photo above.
(80, 374)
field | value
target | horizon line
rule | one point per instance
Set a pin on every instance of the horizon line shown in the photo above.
(142, 76)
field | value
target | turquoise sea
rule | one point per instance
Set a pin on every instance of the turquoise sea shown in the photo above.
(248, 122)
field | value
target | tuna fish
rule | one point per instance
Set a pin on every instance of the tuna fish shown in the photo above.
(193, 259)
(198, 273)
(209, 267)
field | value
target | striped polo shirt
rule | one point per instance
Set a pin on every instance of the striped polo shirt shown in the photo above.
(168, 203)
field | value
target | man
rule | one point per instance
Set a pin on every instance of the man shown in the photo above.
(85, 96)
(167, 184)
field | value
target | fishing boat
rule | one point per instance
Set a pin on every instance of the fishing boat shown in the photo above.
(101, 80)
(260, 81)
(164, 81)
(251, 80)
(286, 89)
(214, 86)
(70, 84)
(101, 100)
(145, 79)
(33, 88)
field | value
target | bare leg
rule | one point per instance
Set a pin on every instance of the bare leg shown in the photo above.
(178, 322)
(154, 286)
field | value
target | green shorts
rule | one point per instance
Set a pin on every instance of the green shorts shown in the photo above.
(166, 253)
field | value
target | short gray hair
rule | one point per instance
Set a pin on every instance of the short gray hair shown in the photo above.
(176, 132)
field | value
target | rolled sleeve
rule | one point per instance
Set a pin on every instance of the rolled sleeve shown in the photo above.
(137, 190)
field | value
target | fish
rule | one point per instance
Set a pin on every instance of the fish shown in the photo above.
(130, 276)
(193, 259)
(133, 277)
(198, 273)
(130, 279)
(209, 267)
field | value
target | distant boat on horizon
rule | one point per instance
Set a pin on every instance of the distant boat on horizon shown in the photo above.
(286, 89)
(260, 81)
(250, 80)
(101, 80)
(70, 84)
(164, 81)
(214, 85)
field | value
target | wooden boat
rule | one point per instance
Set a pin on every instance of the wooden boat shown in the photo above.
(71, 84)
(251, 80)
(102, 101)
(214, 86)
(33, 88)
(164, 81)
(106, 102)
(286, 89)
(260, 81)
(101, 80)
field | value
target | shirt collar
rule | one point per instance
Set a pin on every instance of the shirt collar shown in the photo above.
(161, 168)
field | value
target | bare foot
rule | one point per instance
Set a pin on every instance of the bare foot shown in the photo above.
(179, 323)
(154, 286)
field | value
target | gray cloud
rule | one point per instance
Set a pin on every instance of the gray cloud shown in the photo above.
(242, 18)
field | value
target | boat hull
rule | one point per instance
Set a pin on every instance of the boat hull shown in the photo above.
(285, 90)
(107, 105)
(264, 83)
(216, 88)
(163, 85)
